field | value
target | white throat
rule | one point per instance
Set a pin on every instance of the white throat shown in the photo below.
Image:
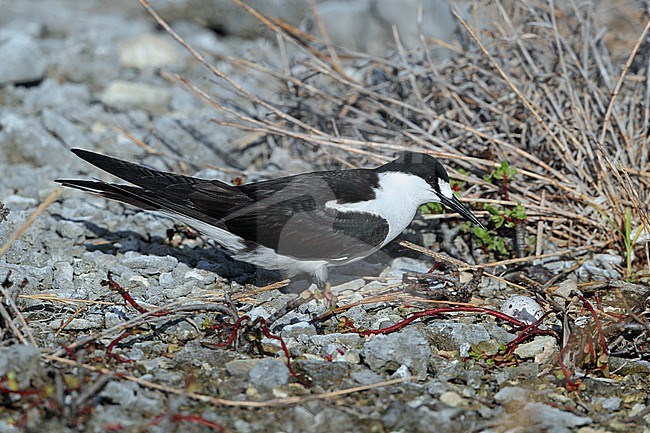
(397, 200)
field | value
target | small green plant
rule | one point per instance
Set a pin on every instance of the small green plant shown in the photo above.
(490, 240)
(627, 240)
(492, 356)
(431, 208)
(507, 217)
(504, 174)
(480, 355)
(626, 234)
(466, 227)
(630, 238)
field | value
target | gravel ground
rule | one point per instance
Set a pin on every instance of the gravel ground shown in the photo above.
(81, 74)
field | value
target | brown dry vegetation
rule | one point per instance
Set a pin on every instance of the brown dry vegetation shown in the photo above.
(547, 89)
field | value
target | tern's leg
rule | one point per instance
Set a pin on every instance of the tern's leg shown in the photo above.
(323, 290)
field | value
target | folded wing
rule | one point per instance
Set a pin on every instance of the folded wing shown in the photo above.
(288, 215)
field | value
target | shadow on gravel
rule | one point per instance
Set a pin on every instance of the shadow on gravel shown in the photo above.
(213, 258)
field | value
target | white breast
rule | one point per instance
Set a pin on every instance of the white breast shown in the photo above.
(397, 200)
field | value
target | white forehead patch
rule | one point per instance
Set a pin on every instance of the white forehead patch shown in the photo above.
(445, 189)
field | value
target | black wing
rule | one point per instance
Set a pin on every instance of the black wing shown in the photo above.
(290, 216)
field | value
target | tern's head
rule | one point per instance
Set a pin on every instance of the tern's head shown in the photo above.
(436, 181)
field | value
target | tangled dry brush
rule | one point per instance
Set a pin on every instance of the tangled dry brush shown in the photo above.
(547, 90)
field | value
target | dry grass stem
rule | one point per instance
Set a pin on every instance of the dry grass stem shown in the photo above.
(28, 222)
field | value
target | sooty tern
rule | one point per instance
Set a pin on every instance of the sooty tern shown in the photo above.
(295, 224)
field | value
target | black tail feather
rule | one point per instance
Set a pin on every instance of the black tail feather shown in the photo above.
(203, 200)
(127, 194)
(144, 199)
(142, 176)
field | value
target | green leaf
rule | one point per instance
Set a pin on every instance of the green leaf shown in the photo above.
(519, 212)
(431, 208)
(481, 233)
(504, 171)
(500, 245)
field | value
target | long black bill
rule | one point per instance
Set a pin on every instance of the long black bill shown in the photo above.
(456, 205)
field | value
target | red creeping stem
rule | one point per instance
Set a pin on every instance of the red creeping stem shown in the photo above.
(504, 187)
(114, 286)
(601, 335)
(111, 346)
(236, 327)
(570, 384)
(527, 332)
(268, 334)
(437, 311)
